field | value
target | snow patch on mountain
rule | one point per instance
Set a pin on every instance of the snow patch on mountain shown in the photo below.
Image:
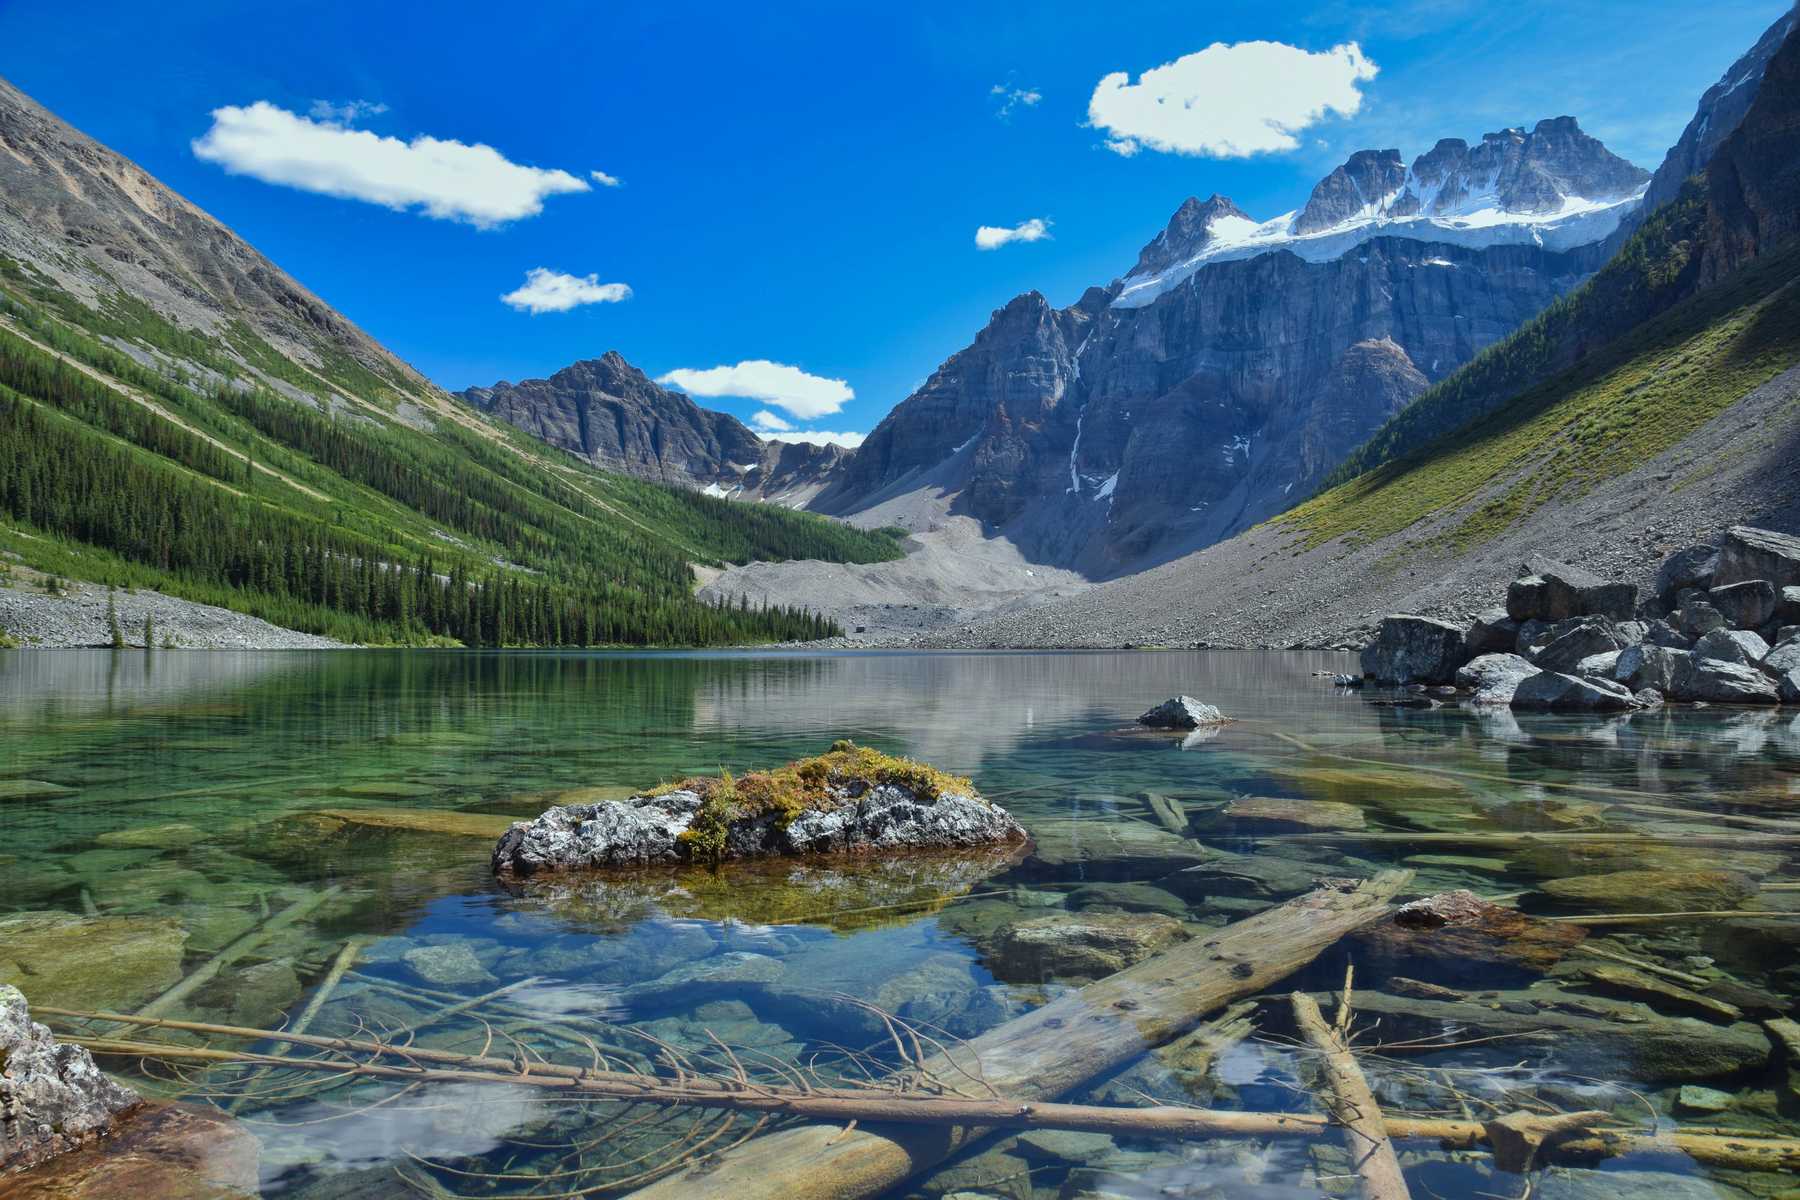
(1578, 222)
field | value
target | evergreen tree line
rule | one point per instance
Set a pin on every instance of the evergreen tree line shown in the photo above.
(64, 479)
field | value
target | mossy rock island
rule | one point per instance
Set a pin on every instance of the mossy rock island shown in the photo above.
(849, 800)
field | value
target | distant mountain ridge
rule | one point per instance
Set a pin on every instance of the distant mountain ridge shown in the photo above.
(1239, 361)
(177, 413)
(610, 413)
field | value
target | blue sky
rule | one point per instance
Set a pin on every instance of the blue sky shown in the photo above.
(798, 183)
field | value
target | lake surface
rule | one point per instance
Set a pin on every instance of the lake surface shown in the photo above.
(258, 818)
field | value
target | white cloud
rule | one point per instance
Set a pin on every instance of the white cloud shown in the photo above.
(992, 237)
(1012, 98)
(605, 180)
(445, 178)
(818, 437)
(348, 111)
(1229, 101)
(545, 291)
(787, 388)
(768, 422)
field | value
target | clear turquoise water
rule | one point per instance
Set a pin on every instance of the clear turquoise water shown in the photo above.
(193, 798)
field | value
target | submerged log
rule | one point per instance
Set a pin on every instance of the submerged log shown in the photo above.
(1050, 1051)
(1565, 1137)
(1353, 1105)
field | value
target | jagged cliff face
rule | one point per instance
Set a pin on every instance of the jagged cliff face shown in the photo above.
(1240, 361)
(607, 411)
(1720, 110)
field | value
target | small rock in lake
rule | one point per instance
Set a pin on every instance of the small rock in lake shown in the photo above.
(851, 799)
(1182, 712)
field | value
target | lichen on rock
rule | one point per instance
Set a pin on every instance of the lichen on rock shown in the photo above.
(849, 799)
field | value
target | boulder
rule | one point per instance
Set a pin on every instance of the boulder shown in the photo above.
(1576, 639)
(1732, 645)
(1084, 848)
(1661, 633)
(1182, 712)
(160, 1151)
(1787, 606)
(851, 799)
(1460, 930)
(1598, 665)
(1556, 692)
(1783, 658)
(1719, 682)
(1285, 814)
(1528, 599)
(1697, 618)
(56, 1099)
(1647, 666)
(1691, 567)
(1410, 649)
(1653, 891)
(1070, 946)
(1787, 686)
(1494, 677)
(1749, 553)
(1556, 591)
(1747, 605)
(1533, 635)
(1631, 632)
(1493, 632)
(111, 963)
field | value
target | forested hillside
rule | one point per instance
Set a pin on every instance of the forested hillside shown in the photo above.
(136, 453)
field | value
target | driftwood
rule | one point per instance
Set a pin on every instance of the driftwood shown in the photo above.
(210, 969)
(1352, 1105)
(1516, 1139)
(1049, 1052)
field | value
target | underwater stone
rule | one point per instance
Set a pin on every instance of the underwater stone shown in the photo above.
(112, 963)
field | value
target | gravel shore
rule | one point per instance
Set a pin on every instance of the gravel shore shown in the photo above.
(77, 618)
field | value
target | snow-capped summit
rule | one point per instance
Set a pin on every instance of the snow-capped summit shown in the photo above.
(1554, 186)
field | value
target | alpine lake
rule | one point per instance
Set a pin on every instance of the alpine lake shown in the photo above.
(262, 840)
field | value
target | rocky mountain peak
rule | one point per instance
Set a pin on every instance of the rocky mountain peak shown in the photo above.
(1366, 185)
(1187, 232)
(1718, 113)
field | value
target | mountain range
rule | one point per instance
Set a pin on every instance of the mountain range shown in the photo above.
(1245, 382)
(1220, 380)
(178, 413)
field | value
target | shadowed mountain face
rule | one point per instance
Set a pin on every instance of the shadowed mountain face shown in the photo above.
(1240, 361)
(607, 411)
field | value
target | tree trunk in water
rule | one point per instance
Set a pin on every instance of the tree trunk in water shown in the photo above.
(1352, 1103)
(1048, 1052)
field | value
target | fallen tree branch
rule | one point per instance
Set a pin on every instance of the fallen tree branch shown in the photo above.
(1583, 1139)
(1050, 1051)
(1352, 1104)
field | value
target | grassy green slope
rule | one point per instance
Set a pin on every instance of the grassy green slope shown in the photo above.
(353, 503)
(1653, 271)
(1621, 404)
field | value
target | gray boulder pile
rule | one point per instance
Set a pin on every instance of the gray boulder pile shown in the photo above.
(1721, 625)
(53, 1098)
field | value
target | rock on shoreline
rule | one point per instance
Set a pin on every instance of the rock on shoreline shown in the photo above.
(1719, 625)
(53, 1098)
(850, 800)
